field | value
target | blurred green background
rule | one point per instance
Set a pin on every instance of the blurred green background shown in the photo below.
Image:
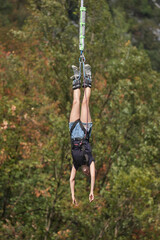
(38, 45)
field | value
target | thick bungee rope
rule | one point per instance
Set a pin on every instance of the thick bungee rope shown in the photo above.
(82, 26)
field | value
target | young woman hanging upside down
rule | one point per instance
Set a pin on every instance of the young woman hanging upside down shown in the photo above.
(80, 126)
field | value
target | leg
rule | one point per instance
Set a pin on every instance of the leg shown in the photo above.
(75, 112)
(85, 112)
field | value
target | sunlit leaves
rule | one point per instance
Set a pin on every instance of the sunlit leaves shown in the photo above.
(35, 103)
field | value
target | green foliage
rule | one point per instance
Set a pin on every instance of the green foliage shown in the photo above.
(142, 18)
(36, 98)
(128, 193)
(12, 11)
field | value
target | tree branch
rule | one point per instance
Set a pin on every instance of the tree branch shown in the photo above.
(105, 102)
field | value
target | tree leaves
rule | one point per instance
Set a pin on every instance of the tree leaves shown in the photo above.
(36, 99)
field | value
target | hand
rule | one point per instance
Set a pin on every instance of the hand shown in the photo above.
(74, 201)
(91, 197)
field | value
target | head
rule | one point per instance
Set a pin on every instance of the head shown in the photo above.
(86, 170)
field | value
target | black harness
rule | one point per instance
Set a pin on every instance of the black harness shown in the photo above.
(80, 142)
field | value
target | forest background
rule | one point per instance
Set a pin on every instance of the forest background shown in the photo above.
(38, 45)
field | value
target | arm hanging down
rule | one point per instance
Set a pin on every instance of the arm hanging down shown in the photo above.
(92, 172)
(72, 184)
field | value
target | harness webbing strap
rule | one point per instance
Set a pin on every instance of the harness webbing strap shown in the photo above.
(83, 128)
